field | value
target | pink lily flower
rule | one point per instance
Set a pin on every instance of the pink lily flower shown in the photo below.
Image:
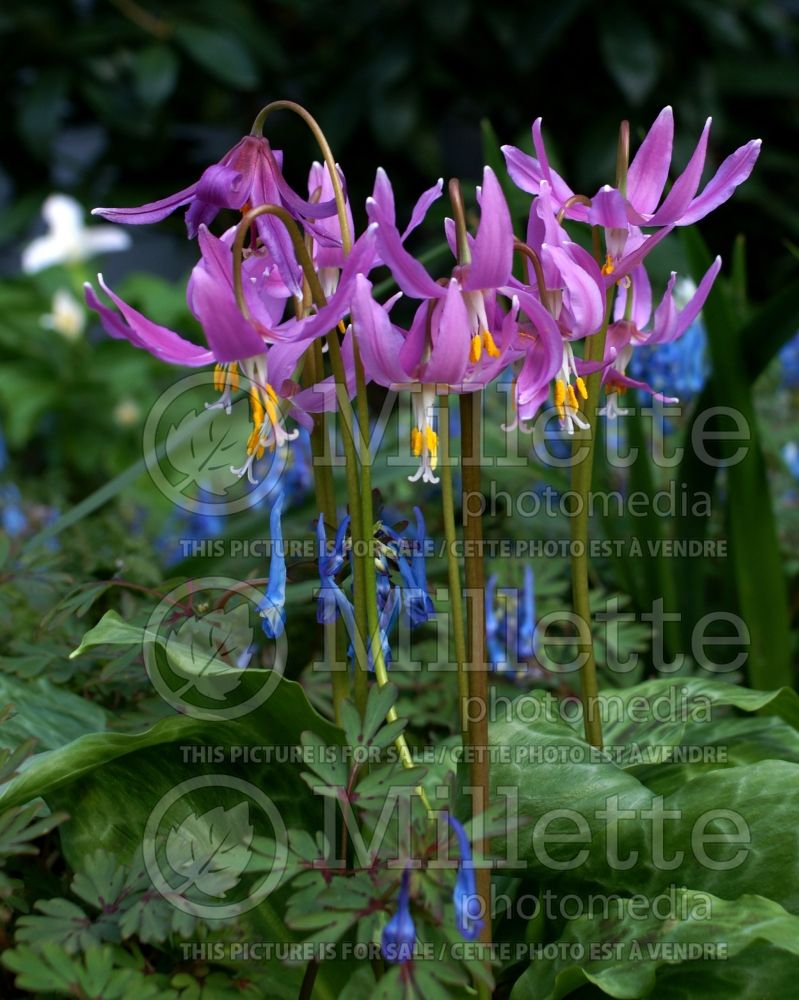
(248, 175)
(622, 213)
(628, 330)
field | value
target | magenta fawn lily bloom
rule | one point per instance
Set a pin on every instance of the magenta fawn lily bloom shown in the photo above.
(423, 359)
(490, 268)
(248, 175)
(620, 213)
(264, 348)
(632, 313)
(452, 341)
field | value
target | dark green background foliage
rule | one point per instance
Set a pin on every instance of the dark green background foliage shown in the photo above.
(117, 101)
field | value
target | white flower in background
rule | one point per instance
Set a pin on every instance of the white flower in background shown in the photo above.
(127, 413)
(68, 240)
(68, 316)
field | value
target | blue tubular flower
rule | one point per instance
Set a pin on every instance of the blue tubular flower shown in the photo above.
(272, 606)
(399, 934)
(414, 575)
(789, 359)
(526, 637)
(388, 615)
(497, 655)
(465, 898)
(332, 599)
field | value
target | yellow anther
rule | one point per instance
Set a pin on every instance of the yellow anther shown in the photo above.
(272, 394)
(431, 438)
(254, 443)
(341, 326)
(581, 387)
(571, 396)
(271, 412)
(219, 378)
(608, 267)
(416, 442)
(489, 344)
(476, 348)
(560, 398)
(256, 408)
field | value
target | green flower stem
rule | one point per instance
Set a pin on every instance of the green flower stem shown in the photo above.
(327, 155)
(453, 567)
(370, 572)
(359, 585)
(471, 414)
(364, 577)
(325, 492)
(581, 486)
(337, 365)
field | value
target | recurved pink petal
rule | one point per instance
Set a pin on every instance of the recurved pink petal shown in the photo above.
(649, 170)
(154, 211)
(670, 323)
(379, 341)
(422, 206)
(733, 171)
(450, 333)
(492, 249)
(409, 274)
(684, 188)
(161, 342)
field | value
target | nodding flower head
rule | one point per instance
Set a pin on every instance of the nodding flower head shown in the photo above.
(272, 605)
(467, 903)
(399, 934)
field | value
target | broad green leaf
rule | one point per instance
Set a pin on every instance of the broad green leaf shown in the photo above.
(623, 951)
(111, 630)
(544, 768)
(278, 721)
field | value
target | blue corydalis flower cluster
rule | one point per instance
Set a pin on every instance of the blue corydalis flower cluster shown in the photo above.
(399, 934)
(510, 624)
(401, 579)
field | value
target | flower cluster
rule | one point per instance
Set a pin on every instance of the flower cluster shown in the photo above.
(293, 315)
(399, 934)
(401, 579)
(467, 326)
